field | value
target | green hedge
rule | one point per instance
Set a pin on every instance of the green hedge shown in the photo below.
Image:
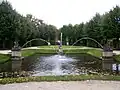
(58, 78)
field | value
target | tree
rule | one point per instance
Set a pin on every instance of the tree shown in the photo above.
(92, 28)
(8, 24)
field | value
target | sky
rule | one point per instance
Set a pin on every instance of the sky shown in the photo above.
(63, 12)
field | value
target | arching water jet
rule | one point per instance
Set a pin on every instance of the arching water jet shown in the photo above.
(85, 38)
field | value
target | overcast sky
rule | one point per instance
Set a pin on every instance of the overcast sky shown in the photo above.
(63, 12)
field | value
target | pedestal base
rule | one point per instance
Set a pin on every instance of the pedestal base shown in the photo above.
(107, 63)
(16, 65)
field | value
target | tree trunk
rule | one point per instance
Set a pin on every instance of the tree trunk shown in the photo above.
(117, 43)
(3, 45)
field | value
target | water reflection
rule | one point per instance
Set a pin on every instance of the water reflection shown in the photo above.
(6, 66)
(61, 65)
(43, 65)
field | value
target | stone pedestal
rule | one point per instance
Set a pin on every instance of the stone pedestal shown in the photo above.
(107, 54)
(107, 63)
(107, 60)
(16, 58)
(16, 64)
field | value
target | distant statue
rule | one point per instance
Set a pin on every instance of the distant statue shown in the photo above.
(15, 44)
(59, 44)
(60, 47)
(107, 47)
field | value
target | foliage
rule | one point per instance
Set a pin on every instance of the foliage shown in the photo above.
(59, 78)
(102, 28)
(117, 58)
(15, 27)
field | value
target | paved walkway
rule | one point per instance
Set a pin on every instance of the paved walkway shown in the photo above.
(5, 51)
(116, 52)
(62, 85)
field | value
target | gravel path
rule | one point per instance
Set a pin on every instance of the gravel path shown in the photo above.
(62, 85)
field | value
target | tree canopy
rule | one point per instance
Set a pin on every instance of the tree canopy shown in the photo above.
(15, 27)
(102, 28)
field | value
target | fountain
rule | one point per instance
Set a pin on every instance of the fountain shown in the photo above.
(40, 39)
(60, 64)
(83, 39)
(60, 51)
(56, 65)
(45, 65)
(49, 65)
(35, 40)
(107, 55)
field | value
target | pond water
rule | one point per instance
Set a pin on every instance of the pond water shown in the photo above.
(45, 64)
(61, 65)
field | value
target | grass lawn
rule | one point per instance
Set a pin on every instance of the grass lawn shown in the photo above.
(56, 46)
(66, 50)
(30, 52)
(4, 58)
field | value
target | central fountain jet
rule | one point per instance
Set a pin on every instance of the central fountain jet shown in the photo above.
(60, 51)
